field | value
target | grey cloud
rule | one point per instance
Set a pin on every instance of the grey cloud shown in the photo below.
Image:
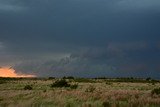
(134, 46)
(80, 37)
(6, 7)
(5, 57)
(1, 45)
(137, 4)
(11, 6)
(114, 60)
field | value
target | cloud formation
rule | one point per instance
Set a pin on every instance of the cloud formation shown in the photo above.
(114, 60)
(80, 37)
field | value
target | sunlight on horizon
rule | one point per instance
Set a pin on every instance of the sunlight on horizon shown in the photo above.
(10, 72)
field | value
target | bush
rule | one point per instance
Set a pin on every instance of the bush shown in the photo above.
(1, 99)
(148, 79)
(28, 87)
(50, 78)
(2, 81)
(90, 88)
(75, 86)
(44, 91)
(106, 104)
(108, 83)
(154, 81)
(70, 77)
(156, 91)
(60, 83)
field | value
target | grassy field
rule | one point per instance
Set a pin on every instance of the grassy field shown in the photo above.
(79, 93)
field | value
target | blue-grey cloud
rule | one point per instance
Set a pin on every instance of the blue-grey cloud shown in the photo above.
(80, 37)
(114, 60)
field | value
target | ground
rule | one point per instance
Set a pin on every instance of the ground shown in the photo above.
(89, 93)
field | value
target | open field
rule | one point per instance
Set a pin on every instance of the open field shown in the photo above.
(79, 93)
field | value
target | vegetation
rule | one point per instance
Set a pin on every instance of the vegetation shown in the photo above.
(148, 79)
(69, 77)
(84, 80)
(2, 81)
(28, 87)
(68, 92)
(51, 78)
(108, 83)
(91, 88)
(60, 83)
(156, 91)
(74, 86)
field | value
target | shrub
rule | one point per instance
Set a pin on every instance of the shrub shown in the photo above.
(106, 104)
(156, 91)
(153, 82)
(148, 79)
(2, 81)
(1, 99)
(70, 77)
(74, 86)
(108, 83)
(90, 88)
(60, 83)
(44, 91)
(28, 87)
(50, 78)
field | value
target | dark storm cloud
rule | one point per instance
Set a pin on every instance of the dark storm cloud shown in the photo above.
(80, 37)
(114, 60)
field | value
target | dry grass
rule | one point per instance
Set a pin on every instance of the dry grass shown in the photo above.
(12, 94)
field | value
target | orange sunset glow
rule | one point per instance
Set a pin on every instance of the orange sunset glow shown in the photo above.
(10, 72)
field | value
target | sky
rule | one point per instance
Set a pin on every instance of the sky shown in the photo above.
(81, 38)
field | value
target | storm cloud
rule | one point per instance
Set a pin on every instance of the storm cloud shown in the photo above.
(86, 38)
